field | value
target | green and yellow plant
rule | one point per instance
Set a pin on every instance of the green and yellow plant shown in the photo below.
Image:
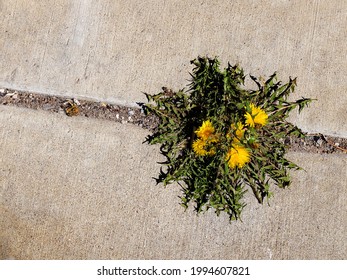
(220, 138)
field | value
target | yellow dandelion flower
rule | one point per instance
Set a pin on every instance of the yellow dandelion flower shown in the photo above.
(238, 156)
(205, 130)
(199, 147)
(238, 131)
(256, 117)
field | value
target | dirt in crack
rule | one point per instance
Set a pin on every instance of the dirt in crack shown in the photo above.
(313, 143)
(86, 108)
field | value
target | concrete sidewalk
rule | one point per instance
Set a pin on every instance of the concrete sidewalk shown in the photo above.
(77, 188)
(114, 50)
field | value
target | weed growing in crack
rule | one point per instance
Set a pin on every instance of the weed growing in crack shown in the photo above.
(220, 139)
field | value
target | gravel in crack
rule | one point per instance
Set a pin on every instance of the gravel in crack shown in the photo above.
(312, 143)
(89, 109)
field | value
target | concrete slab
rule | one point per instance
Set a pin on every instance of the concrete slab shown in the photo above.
(113, 50)
(78, 188)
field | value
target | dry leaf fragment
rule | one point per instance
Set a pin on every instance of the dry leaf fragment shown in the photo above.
(71, 108)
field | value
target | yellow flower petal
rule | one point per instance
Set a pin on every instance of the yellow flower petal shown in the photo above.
(199, 147)
(238, 156)
(256, 117)
(238, 131)
(261, 118)
(205, 130)
(249, 120)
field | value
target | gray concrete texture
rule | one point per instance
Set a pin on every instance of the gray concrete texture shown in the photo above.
(77, 188)
(113, 50)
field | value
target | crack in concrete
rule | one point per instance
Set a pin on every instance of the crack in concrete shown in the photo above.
(313, 143)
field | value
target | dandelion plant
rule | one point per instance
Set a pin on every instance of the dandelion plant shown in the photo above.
(219, 139)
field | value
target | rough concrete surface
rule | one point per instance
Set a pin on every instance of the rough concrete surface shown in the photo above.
(113, 50)
(77, 188)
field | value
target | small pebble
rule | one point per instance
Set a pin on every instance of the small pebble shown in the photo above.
(117, 116)
(131, 112)
(337, 144)
(76, 102)
(319, 142)
(2, 90)
(48, 107)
